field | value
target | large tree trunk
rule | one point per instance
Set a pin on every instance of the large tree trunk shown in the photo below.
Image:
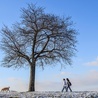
(32, 78)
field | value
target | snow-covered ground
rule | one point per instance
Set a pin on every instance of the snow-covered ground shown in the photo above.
(51, 94)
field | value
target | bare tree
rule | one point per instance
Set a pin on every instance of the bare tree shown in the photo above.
(39, 39)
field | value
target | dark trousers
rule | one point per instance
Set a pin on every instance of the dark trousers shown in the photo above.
(64, 87)
(68, 88)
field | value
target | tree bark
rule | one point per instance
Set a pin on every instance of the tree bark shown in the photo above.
(32, 78)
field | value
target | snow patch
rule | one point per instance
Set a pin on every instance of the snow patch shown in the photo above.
(50, 94)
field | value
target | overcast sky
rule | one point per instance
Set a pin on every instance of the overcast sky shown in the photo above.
(83, 72)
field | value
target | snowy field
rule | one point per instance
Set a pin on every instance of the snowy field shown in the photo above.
(75, 94)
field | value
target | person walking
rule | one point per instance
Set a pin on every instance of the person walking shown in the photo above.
(65, 85)
(68, 85)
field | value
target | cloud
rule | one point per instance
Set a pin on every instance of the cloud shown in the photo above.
(16, 84)
(93, 63)
(63, 74)
(48, 86)
(87, 81)
(80, 82)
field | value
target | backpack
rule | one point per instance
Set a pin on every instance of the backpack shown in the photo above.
(69, 83)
